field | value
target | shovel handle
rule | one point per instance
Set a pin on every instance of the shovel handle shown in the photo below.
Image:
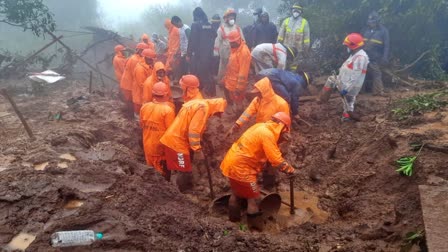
(210, 182)
(292, 209)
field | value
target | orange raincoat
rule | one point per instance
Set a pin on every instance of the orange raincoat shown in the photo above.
(119, 62)
(247, 156)
(186, 130)
(155, 118)
(150, 43)
(128, 74)
(266, 107)
(173, 44)
(141, 73)
(238, 68)
(192, 94)
(153, 79)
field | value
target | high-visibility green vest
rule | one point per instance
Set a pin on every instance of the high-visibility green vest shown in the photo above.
(299, 30)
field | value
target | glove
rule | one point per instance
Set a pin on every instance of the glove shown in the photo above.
(286, 168)
(344, 92)
(199, 155)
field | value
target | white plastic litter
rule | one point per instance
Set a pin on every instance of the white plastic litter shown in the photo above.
(48, 76)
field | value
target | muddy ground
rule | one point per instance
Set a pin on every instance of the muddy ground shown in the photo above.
(86, 171)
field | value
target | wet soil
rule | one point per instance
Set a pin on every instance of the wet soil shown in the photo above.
(87, 171)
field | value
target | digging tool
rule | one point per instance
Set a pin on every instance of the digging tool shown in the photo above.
(292, 209)
(209, 174)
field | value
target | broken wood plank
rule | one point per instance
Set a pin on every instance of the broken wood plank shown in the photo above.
(434, 202)
(19, 114)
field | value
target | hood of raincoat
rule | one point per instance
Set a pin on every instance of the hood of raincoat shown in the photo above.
(119, 54)
(265, 87)
(158, 66)
(191, 93)
(216, 106)
(145, 36)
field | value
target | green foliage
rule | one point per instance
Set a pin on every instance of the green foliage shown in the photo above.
(415, 26)
(31, 15)
(226, 232)
(243, 227)
(419, 104)
(411, 239)
(406, 164)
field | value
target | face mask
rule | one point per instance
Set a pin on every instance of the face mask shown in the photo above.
(348, 50)
(255, 18)
(295, 14)
(231, 22)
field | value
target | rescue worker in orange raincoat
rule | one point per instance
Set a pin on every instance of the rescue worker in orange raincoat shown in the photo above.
(119, 61)
(237, 73)
(142, 71)
(190, 85)
(145, 39)
(173, 52)
(158, 75)
(246, 159)
(183, 137)
(128, 76)
(155, 118)
(264, 105)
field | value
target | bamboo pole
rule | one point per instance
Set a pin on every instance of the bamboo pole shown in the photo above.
(4, 92)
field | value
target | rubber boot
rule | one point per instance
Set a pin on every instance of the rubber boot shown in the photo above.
(184, 181)
(325, 95)
(255, 221)
(234, 213)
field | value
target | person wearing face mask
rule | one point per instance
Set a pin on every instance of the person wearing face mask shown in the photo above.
(376, 37)
(237, 72)
(351, 76)
(158, 75)
(222, 44)
(295, 31)
(247, 159)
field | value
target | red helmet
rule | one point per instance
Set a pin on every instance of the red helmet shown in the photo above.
(119, 48)
(142, 46)
(189, 81)
(149, 53)
(160, 89)
(284, 118)
(354, 41)
(228, 12)
(234, 36)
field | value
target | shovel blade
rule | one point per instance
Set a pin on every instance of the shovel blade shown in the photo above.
(270, 205)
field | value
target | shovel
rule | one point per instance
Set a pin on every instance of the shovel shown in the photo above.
(209, 174)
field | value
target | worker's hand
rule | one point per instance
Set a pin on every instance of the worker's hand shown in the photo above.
(199, 155)
(294, 174)
(288, 169)
(344, 92)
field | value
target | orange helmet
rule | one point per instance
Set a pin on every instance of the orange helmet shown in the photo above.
(228, 12)
(119, 48)
(284, 118)
(354, 41)
(142, 46)
(160, 89)
(189, 81)
(149, 53)
(234, 36)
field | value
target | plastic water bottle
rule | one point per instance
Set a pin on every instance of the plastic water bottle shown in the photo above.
(74, 238)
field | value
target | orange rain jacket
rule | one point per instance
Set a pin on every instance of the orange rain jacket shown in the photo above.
(247, 156)
(150, 43)
(155, 118)
(186, 130)
(192, 94)
(266, 107)
(173, 43)
(141, 73)
(238, 68)
(151, 80)
(119, 62)
(128, 74)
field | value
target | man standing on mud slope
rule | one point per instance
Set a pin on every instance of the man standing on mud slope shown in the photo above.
(246, 159)
(376, 38)
(351, 76)
(142, 71)
(119, 62)
(155, 118)
(183, 137)
(128, 77)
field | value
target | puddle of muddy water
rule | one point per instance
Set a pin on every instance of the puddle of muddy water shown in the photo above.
(67, 156)
(73, 204)
(21, 241)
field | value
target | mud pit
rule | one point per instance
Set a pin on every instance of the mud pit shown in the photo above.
(87, 172)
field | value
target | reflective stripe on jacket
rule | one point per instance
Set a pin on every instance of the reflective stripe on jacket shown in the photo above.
(272, 54)
(377, 43)
(295, 33)
(353, 72)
